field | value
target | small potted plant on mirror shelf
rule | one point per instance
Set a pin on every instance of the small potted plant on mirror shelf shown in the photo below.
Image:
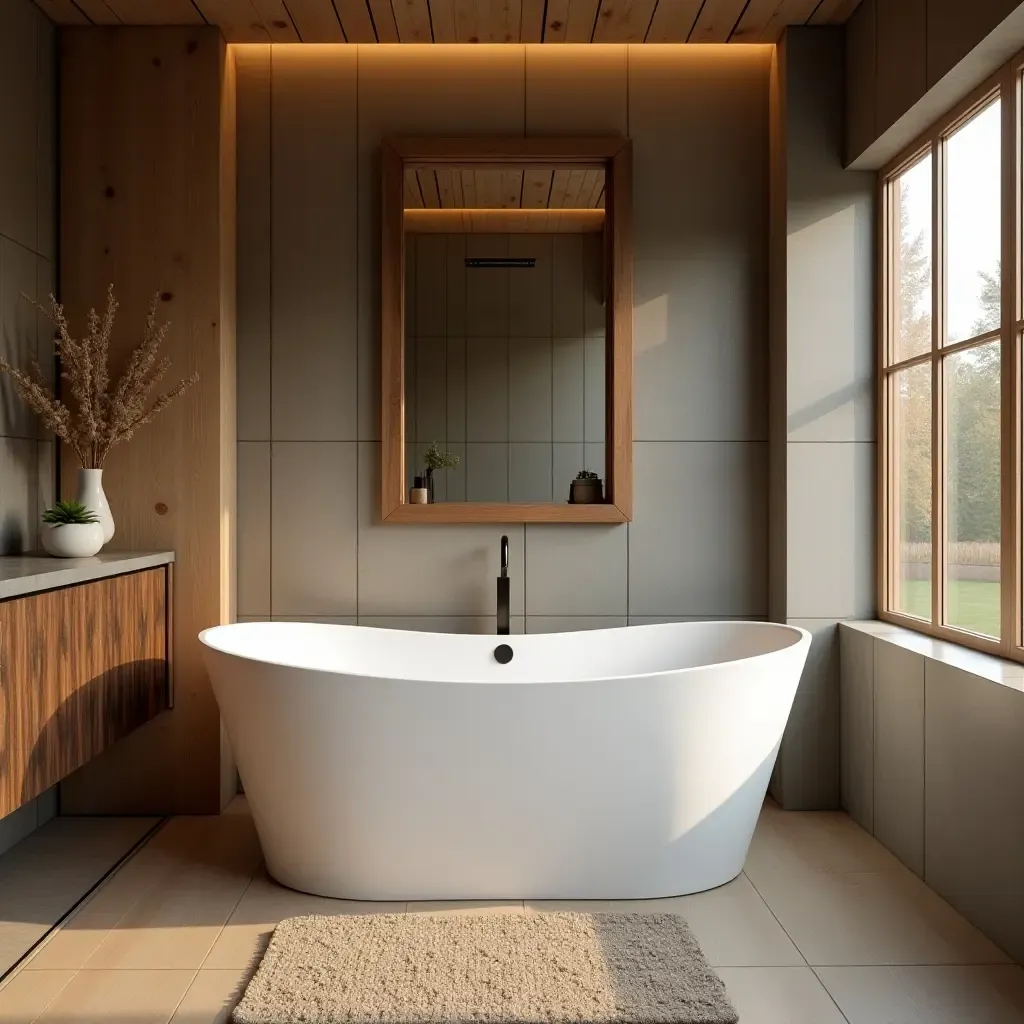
(102, 413)
(70, 530)
(434, 458)
(586, 489)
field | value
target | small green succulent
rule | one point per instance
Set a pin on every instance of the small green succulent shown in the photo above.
(586, 474)
(434, 458)
(69, 513)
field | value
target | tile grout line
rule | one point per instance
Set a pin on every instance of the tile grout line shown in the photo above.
(241, 896)
(795, 946)
(26, 962)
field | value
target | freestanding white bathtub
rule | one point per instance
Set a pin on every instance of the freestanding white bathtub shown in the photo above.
(619, 763)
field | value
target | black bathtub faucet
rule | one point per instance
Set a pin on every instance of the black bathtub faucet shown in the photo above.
(503, 591)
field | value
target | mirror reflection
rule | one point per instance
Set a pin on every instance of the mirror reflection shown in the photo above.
(505, 337)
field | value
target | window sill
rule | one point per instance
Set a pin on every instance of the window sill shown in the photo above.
(985, 666)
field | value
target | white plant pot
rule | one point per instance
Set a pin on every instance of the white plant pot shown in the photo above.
(72, 540)
(90, 494)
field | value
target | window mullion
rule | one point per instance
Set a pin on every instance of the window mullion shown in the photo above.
(1010, 554)
(938, 390)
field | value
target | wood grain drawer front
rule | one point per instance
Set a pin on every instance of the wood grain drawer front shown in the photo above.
(79, 668)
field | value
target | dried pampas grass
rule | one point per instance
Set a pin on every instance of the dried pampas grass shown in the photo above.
(104, 416)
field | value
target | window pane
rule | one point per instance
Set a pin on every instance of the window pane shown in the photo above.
(912, 451)
(972, 495)
(912, 271)
(972, 227)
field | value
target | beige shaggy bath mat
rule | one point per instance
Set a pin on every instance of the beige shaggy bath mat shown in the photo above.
(485, 969)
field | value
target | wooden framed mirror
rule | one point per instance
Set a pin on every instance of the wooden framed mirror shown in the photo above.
(506, 330)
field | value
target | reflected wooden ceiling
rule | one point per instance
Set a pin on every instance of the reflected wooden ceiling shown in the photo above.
(466, 21)
(530, 188)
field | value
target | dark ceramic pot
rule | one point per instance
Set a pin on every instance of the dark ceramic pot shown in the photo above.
(586, 492)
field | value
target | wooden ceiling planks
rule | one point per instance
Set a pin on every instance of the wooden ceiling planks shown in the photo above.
(428, 189)
(505, 188)
(412, 19)
(503, 221)
(383, 20)
(316, 21)
(673, 22)
(531, 21)
(624, 21)
(833, 12)
(276, 20)
(716, 21)
(467, 21)
(156, 12)
(511, 190)
(537, 187)
(790, 12)
(63, 12)
(483, 21)
(237, 19)
(755, 20)
(96, 11)
(355, 20)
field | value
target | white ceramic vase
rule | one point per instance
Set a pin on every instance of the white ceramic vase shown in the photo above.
(72, 540)
(90, 494)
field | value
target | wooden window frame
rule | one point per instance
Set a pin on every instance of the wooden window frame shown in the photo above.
(1006, 84)
(614, 154)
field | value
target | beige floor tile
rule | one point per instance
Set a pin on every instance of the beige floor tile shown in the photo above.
(79, 937)
(167, 928)
(927, 995)
(732, 923)
(870, 919)
(26, 994)
(211, 997)
(265, 904)
(780, 995)
(46, 874)
(465, 907)
(788, 842)
(128, 997)
(568, 906)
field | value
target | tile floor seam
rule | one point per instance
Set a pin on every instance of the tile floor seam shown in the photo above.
(776, 918)
(50, 1003)
(114, 873)
(185, 993)
(231, 912)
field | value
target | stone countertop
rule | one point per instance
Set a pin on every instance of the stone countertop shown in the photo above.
(33, 573)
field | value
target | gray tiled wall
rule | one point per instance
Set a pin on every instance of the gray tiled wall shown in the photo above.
(519, 378)
(932, 763)
(28, 125)
(822, 429)
(310, 543)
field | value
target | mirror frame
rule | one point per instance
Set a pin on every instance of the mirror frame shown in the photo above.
(614, 154)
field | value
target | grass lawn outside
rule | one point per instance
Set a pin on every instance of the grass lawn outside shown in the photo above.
(973, 604)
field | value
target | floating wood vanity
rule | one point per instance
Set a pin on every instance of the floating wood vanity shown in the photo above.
(84, 660)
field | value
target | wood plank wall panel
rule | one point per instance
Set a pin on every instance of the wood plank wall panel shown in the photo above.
(82, 667)
(147, 203)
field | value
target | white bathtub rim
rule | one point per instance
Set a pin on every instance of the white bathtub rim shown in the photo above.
(801, 637)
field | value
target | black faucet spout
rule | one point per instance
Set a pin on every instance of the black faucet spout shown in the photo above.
(504, 587)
